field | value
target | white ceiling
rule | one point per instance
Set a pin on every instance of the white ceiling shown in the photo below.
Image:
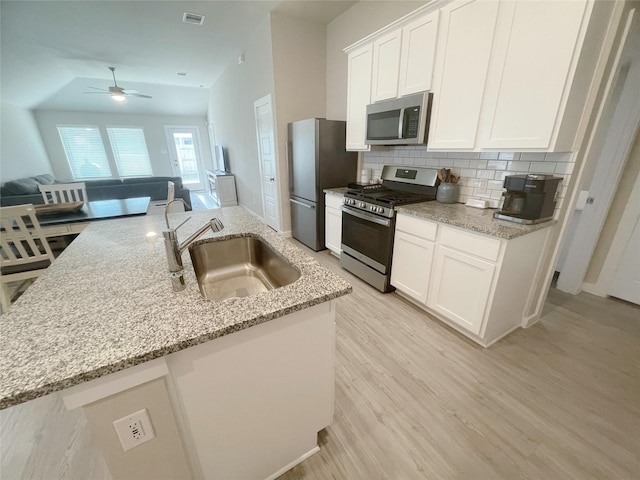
(52, 51)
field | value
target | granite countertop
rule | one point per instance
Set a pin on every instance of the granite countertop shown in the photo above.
(338, 192)
(107, 304)
(470, 218)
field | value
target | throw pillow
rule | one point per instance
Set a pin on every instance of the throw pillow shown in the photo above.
(45, 179)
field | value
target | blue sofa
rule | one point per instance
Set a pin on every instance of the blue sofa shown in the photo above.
(25, 190)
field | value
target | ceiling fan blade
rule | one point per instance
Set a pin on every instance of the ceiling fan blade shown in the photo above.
(99, 93)
(127, 91)
(139, 95)
(96, 88)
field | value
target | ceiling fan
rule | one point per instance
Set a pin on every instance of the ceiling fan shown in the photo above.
(117, 93)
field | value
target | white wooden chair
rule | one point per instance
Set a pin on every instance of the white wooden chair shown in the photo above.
(24, 250)
(64, 192)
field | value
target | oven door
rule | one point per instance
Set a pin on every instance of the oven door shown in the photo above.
(368, 238)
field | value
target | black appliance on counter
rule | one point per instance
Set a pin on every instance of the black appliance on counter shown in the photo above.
(529, 198)
(368, 220)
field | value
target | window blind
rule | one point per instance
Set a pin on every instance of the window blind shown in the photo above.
(85, 152)
(130, 151)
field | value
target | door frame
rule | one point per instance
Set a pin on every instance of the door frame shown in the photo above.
(202, 186)
(266, 100)
(617, 132)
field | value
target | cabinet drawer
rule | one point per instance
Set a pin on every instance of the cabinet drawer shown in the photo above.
(332, 201)
(416, 226)
(479, 245)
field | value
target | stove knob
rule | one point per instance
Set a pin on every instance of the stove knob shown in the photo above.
(373, 208)
(380, 210)
(362, 205)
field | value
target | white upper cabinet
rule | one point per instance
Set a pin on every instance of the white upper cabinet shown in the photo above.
(534, 66)
(386, 66)
(418, 54)
(511, 75)
(464, 48)
(403, 59)
(358, 96)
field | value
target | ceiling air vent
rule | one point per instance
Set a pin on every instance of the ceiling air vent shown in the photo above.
(194, 18)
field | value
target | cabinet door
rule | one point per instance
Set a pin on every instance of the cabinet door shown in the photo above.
(465, 41)
(386, 66)
(535, 70)
(418, 54)
(333, 229)
(411, 266)
(358, 96)
(460, 287)
(226, 187)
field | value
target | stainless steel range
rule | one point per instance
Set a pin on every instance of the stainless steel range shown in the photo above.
(368, 220)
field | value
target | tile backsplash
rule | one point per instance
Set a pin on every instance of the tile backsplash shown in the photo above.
(481, 173)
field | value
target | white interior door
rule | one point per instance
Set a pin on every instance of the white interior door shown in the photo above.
(268, 161)
(626, 281)
(185, 155)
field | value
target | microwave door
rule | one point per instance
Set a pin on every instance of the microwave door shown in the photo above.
(384, 125)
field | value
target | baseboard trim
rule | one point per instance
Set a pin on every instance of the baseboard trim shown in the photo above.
(289, 466)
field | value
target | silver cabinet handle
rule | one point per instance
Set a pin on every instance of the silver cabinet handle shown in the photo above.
(301, 204)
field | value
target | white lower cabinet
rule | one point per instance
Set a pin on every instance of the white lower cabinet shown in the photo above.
(333, 223)
(460, 287)
(478, 284)
(411, 265)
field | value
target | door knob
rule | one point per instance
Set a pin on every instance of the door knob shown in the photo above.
(272, 179)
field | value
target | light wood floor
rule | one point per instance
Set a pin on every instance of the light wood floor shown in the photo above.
(416, 400)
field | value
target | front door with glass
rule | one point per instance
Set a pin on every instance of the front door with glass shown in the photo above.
(185, 155)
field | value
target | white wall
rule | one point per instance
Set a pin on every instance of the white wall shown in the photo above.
(356, 23)
(22, 152)
(231, 112)
(299, 80)
(153, 126)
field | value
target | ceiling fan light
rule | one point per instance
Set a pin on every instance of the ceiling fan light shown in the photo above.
(118, 97)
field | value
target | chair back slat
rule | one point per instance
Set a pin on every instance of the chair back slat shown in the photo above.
(22, 241)
(64, 192)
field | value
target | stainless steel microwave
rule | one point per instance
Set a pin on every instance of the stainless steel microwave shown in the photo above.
(400, 121)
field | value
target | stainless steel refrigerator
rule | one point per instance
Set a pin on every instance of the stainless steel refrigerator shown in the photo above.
(317, 160)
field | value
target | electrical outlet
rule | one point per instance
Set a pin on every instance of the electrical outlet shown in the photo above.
(482, 186)
(134, 429)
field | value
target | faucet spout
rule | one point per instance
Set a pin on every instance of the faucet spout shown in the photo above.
(174, 249)
(214, 224)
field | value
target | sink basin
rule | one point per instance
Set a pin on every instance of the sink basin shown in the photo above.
(239, 267)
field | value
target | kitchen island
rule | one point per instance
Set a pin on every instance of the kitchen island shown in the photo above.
(104, 320)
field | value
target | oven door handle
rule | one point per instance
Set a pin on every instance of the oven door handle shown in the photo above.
(385, 222)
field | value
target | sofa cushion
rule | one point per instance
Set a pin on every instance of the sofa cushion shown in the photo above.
(107, 182)
(22, 186)
(137, 180)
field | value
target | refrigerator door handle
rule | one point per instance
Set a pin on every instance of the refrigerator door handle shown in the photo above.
(288, 148)
(297, 202)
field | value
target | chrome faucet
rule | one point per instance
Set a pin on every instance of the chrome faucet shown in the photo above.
(174, 249)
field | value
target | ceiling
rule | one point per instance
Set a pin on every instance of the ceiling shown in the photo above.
(53, 51)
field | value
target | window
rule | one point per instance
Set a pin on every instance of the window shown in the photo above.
(88, 159)
(85, 152)
(129, 151)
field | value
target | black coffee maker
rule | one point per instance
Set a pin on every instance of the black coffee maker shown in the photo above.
(529, 198)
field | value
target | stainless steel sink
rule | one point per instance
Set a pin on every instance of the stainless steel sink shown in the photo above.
(239, 267)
